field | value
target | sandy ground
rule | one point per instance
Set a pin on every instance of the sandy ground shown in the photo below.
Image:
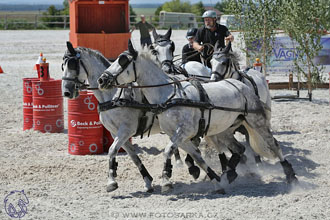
(62, 186)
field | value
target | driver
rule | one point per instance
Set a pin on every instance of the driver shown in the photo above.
(210, 33)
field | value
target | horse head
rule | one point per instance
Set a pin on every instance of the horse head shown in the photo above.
(120, 72)
(72, 78)
(221, 62)
(163, 49)
(78, 65)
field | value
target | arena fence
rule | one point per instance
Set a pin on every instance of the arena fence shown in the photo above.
(33, 21)
(14, 21)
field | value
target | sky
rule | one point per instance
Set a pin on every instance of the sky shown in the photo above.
(131, 1)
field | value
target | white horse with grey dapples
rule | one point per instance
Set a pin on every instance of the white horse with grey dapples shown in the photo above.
(84, 64)
(163, 50)
(232, 103)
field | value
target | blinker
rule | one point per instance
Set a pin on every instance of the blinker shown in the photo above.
(123, 61)
(225, 61)
(72, 64)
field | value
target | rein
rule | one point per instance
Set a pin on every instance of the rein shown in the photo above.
(151, 86)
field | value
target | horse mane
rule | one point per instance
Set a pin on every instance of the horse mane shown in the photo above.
(146, 54)
(235, 56)
(97, 54)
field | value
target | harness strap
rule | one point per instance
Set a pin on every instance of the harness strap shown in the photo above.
(159, 108)
(145, 107)
(202, 127)
(245, 75)
(179, 85)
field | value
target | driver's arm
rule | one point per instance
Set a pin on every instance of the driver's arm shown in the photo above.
(197, 46)
(197, 43)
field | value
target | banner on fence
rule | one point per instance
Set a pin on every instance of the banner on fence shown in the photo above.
(284, 53)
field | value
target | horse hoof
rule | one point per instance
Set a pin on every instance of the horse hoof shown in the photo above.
(292, 180)
(112, 187)
(166, 188)
(150, 190)
(194, 171)
(220, 191)
(231, 176)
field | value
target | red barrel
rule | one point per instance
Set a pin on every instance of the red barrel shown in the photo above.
(28, 103)
(84, 127)
(48, 106)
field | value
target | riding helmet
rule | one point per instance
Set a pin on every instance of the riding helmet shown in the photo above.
(191, 32)
(209, 14)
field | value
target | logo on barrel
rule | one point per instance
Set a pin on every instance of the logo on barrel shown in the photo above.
(86, 124)
(73, 123)
(88, 101)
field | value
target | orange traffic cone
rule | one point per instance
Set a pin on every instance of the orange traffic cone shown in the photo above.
(1, 71)
(36, 66)
(257, 65)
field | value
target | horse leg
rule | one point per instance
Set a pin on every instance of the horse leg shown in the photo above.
(167, 169)
(177, 158)
(112, 184)
(189, 161)
(192, 168)
(129, 148)
(217, 144)
(263, 142)
(194, 152)
(227, 138)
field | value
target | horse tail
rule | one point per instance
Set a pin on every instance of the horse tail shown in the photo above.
(258, 142)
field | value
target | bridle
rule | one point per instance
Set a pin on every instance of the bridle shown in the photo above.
(228, 62)
(162, 42)
(124, 60)
(73, 62)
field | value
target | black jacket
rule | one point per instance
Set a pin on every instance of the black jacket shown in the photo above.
(190, 54)
(205, 35)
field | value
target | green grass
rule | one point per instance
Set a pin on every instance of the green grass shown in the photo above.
(28, 16)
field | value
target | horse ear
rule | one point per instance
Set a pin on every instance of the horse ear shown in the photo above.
(168, 34)
(70, 48)
(154, 34)
(131, 48)
(228, 47)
